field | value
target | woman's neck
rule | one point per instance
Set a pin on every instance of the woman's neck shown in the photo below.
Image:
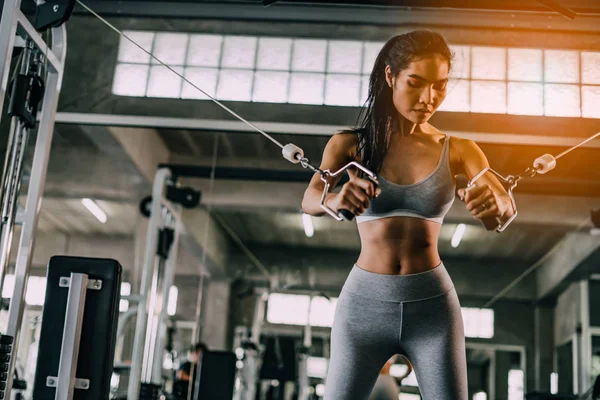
(407, 127)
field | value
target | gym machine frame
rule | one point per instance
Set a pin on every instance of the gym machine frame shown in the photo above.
(66, 381)
(35, 53)
(158, 271)
(248, 341)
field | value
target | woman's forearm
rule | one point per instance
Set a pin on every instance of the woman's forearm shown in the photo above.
(311, 203)
(510, 210)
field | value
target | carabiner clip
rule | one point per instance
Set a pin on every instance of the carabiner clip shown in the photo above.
(344, 215)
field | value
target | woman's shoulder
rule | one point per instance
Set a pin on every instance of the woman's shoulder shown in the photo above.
(455, 142)
(345, 141)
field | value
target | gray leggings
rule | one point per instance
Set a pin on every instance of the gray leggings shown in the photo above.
(379, 315)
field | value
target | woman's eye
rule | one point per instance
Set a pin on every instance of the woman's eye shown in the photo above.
(440, 87)
(412, 84)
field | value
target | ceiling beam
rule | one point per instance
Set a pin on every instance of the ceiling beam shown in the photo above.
(287, 196)
(467, 14)
(561, 263)
(277, 128)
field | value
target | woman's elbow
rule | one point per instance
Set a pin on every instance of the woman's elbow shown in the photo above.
(308, 204)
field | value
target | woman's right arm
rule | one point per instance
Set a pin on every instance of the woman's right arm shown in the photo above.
(355, 195)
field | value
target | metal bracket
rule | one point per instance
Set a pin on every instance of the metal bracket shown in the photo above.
(343, 215)
(83, 384)
(93, 284)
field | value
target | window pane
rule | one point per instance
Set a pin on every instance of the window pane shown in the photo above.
(316, 367)
(306, 88)
(163, 82)
(461, 66)
(525, 65)
(364, 91)
(125, 291)
(371, 51)
(204, 78)
(488, 63)
(561, 66)
(488, 97)
(309, 55)
(274, 53)
(170, 48)
(204, 50)
(525, 98)
(35, 293)
(344, 57)
(271, 87)
(561, 100)
(478, 323)
(486, 323)
(591, 101)
(239, 52)
(458, 96)
(130, 80)
(322, 311)
(342, 90)
(128, 52)
(590, 67)
(515, 384)
(235, 84)
(289, 309)
(9, 286)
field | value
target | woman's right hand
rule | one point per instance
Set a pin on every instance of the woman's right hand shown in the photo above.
(355, 196)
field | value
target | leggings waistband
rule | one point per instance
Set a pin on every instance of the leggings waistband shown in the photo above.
(398, 288)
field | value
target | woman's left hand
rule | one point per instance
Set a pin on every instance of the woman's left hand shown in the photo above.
(483, 202)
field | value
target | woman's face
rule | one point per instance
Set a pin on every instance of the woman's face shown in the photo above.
(419, 90)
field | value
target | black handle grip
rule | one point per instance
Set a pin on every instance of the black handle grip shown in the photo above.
(490, 223)
(347, 215)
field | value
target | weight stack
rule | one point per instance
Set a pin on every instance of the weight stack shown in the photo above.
(149, 391)
(5, 350)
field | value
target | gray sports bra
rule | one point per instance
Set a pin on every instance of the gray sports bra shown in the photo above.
(428, 199)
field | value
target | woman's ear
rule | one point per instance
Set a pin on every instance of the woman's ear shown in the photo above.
(388, 76)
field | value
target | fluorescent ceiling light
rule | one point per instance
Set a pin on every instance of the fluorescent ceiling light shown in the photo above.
(309, 228)
(94, 209)
(458, 235)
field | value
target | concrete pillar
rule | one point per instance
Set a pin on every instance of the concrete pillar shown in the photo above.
(215, 307)
(544, 347)
(503, 365)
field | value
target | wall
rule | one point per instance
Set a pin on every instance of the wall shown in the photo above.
(567, 314)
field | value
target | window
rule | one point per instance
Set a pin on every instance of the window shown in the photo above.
(293, 309)
(515, 384)
(125, 291)
(316, 367)
(478, 322)
(35, 293)
(517, 81)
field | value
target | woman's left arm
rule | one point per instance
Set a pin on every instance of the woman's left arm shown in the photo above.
(488, 198)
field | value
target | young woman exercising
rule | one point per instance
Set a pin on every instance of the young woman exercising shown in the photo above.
(398, 297)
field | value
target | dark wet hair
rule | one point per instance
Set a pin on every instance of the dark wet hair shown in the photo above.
(379, 116)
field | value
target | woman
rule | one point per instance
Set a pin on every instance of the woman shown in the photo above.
(398, 297)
